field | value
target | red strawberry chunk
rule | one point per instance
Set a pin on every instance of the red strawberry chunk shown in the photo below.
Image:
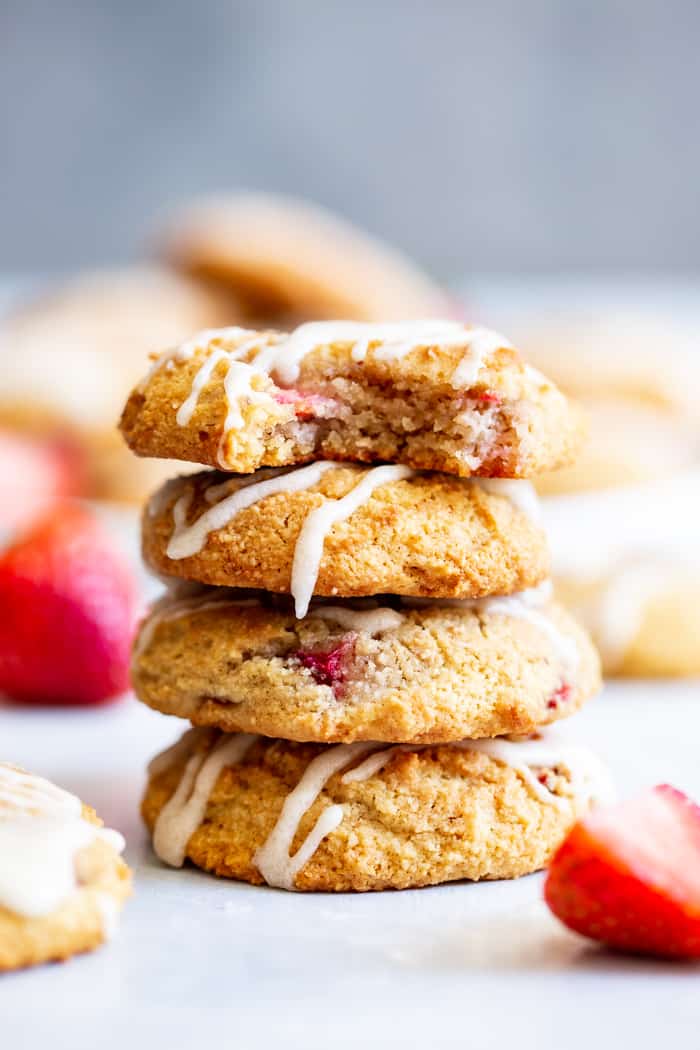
(490, 397)
(307, 406)
(629, 875)
(560, 696)
(68, 603)
(328, 666)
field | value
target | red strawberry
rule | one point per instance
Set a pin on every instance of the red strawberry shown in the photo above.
(67, 603)
(35, 474)
(328, 666)
(629, 875)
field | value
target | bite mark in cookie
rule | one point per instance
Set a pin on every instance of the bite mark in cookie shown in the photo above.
(432, 395)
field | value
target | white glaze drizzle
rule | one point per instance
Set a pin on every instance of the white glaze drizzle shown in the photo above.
(371, 621)
(521, 494)
(309, 546)
(589, 780)
(184, 811)
(187, 540)
(42, 831)
(281, 356)
(273, 859)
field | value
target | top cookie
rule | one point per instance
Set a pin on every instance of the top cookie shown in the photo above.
(434, 395)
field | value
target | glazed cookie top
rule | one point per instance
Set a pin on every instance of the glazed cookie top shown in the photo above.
(436, 395)
(328, 529)
(46, 837)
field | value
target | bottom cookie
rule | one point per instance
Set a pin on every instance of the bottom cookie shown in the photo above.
(365, 816)
(62, 881)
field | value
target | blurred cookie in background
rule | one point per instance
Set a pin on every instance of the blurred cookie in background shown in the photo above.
(627, 443)
(638, 377)
(643, 614)
(69, 357)
(287, 261)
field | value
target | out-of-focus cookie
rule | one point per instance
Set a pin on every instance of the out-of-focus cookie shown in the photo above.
(285, 258)
(643, 614)
(627, 444)
(363, 816)
(340, 529)
(367, 670)
(62, 881)
(435, 395)
(68, 359)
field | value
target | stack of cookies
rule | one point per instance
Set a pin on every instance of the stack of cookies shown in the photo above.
(358, 620)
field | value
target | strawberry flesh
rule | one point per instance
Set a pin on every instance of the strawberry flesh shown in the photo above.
(629, 876)
(560, 696)
(68, 603)
(328, 666)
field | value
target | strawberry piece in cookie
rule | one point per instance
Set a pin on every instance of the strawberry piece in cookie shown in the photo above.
(629, 876)
(329, 667)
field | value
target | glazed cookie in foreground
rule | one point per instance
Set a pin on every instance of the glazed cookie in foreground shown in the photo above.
(435, 395)
(363, 816)
(378, 670)
(333, 529)
(62, 881)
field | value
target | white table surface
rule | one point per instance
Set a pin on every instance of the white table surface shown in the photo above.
(475, 965)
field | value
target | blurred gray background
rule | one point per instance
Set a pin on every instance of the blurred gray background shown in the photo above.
(502, 136)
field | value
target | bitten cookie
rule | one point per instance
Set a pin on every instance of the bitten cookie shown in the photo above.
(362, 816)
(328, 529)
(287, 258)
(377, 670)
(62, 881)
(434, 395)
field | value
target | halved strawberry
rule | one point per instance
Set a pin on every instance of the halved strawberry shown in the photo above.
(67, 602)
(35, 474)
(629, 875)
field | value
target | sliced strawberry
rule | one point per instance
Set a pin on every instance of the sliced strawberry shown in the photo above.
(68, 602)
(35, 474)
(629, 875)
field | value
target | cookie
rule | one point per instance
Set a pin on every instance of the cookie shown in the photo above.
(331, 529)
(643, 613)
(377, 670)
(62, 881)
(69, 357)
(627, 445)
(434, 395)
(287, 258)
(362, 816)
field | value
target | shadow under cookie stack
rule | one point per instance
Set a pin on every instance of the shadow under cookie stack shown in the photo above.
(358, 620)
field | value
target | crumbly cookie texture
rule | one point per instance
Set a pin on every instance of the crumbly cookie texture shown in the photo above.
(507, 421)
(425, 535)
(281, 256)
(427, 817)
(81, 923)
(644, 617)
(435, 674)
